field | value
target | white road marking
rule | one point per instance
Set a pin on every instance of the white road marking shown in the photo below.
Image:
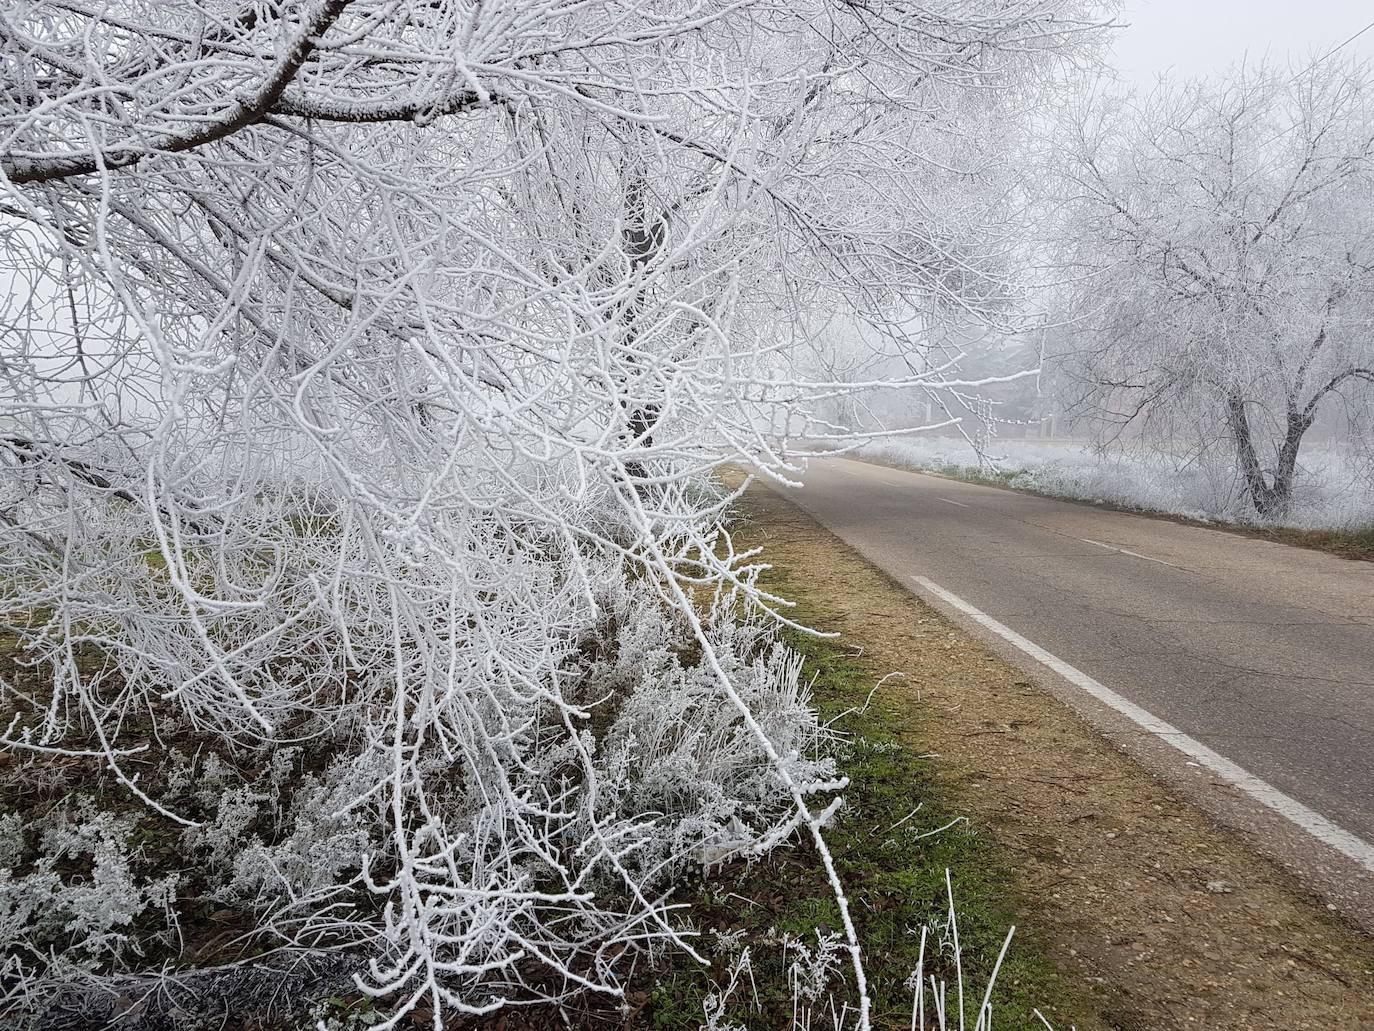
(947, 501)
(1318, 826)
(1133, 554)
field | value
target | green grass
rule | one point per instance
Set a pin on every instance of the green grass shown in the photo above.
(895, 879)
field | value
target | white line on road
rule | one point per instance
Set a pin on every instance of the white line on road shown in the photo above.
(1133, 554)
(1265, 794)
(947, 501)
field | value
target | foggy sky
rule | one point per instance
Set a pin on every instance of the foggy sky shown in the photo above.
(1199, 37)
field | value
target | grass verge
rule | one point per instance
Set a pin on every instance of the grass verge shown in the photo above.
(892, 856)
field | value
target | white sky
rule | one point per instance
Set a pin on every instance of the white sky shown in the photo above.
(1199, 37)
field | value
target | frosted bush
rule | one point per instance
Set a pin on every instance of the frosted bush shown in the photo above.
(12, 838)
(813, 965)
(216, 844)
(80, 897)
(324, 841)
(661, 774)
(677, 748)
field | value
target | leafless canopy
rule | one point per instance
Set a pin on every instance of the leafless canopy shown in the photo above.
(360, 353)
(1227, 235)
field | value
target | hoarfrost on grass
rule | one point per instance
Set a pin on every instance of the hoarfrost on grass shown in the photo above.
(1333, 490)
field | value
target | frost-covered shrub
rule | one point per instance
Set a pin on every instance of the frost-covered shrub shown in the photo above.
(322, 841)
(12, 839)
(80, 897)
(216, 844)
(678, 748)
(650, 769)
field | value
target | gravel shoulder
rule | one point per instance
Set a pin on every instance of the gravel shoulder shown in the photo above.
(1166, 920)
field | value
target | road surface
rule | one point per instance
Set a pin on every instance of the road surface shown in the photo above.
(1261, 652)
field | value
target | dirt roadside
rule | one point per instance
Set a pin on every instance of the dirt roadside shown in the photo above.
(1167, 920)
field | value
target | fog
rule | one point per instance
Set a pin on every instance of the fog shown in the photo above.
(1156, 40)
(1188, 37)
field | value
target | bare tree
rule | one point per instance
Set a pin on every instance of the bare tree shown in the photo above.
(1222, 238)
(364, 358)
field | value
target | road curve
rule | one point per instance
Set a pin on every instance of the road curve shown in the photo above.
(1262, 652)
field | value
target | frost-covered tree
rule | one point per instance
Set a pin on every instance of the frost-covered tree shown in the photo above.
(363, 364)
(1220, 235)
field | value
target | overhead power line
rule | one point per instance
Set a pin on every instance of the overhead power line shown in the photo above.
(1335, 49)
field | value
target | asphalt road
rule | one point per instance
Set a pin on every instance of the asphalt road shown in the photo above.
(1263, 652)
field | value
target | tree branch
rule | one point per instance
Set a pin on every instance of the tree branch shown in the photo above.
(240, 116)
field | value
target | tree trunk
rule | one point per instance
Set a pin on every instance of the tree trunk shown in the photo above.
(1272, 496)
